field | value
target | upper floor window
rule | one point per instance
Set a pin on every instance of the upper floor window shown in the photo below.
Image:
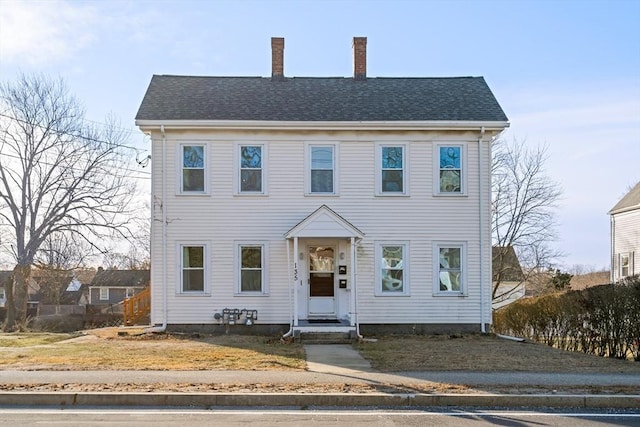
(450, 261)
(392, 260)
(322, 169)
(193, 169)
(450, 169)
(392, 170)
(251, 168)
(192, 268)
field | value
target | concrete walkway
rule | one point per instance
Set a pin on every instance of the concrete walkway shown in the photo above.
(335, 359)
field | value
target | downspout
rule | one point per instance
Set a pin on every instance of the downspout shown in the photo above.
(613, 249)
(482, 237)
(296, 279)
(163, 327)
(354, 286)
(290, 332)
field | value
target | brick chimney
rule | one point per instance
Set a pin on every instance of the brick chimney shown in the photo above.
(277, 58)
(359, 58)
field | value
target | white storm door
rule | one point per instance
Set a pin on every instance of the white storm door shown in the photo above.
(322, 301)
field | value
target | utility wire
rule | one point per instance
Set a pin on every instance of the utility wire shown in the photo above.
(78, 170)
(138, 150)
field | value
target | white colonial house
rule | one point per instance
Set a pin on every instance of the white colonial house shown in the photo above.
(625, 235)
(294, 204)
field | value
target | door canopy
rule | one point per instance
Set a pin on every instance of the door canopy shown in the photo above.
(324, 222)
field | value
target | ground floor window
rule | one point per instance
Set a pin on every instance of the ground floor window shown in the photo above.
(450, 261)
(392, 268)
(626, 264)
(193, 268)
(104, 294)
(251, 268)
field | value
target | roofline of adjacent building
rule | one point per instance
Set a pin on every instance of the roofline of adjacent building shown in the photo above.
(149, 125)
(623, 210)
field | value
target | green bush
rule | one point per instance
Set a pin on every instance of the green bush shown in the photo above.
(603, 320)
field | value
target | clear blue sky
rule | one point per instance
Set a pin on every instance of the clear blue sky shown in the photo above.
(567, 73)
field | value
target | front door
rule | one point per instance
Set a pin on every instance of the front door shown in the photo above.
(322, 300)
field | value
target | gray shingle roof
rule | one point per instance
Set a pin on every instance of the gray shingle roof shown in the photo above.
(631, 200)
(116, 278)
(319, 99)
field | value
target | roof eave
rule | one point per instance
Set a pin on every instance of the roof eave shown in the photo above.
(150, 125)
(624, 209)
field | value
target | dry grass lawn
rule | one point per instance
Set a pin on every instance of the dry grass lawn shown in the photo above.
(114, 348)
(130, 349)
(105, 349)
(481, 353)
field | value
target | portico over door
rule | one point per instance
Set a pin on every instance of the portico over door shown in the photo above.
(322, 298)
(318, 283)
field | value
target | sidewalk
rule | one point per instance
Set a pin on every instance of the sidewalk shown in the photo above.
(327, 364)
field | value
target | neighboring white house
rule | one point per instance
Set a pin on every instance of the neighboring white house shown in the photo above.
(625, 235)
(5, 276)
(506, 270)
(362, 203)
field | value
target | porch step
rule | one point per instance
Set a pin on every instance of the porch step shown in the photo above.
(326, 337)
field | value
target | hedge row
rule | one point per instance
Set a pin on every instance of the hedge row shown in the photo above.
(602, 320)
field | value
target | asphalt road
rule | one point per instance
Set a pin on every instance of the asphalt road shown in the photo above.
(453, 417)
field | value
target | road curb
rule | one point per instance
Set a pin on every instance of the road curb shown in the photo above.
(211, 400)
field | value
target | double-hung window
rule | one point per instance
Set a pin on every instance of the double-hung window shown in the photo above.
(104, 294)
(392, 175)
(450, 271)
(252, 268)
(626, 264)
(193, 169)
(251, 169)
(392, 268)
(193, 268)
(322, 173)
(450, 169)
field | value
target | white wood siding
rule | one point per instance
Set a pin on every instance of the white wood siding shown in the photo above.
(626, 239)
(221, 218)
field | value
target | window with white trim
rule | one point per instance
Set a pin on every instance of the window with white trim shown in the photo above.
(251, 268)
(193, 173)
(392, 261)
(392, 173)
(192, 267)
(450, 261)
(104, 294)
(450, 169)
(322, 173)
(251, 159)
(625, 265)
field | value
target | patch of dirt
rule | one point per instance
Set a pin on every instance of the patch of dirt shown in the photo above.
(433, 388)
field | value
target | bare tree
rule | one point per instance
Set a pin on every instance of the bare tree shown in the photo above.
(135, 252)
(523, 205)
(59, 258)
(57, 175)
